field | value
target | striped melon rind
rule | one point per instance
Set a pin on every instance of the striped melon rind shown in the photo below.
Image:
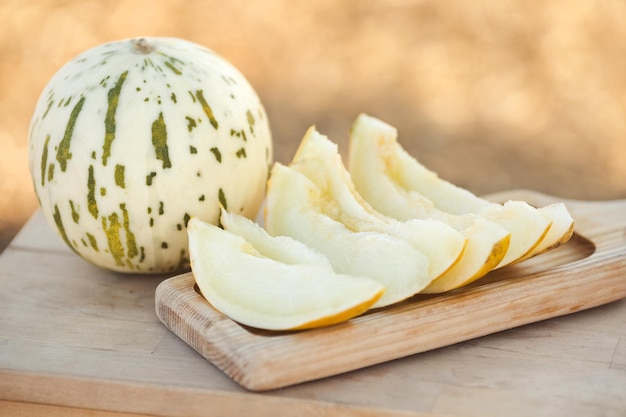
(132, 138)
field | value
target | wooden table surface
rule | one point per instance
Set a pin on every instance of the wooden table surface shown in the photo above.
(491, 97)
(75, 338)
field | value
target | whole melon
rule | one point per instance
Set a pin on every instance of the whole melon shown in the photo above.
(132, 138)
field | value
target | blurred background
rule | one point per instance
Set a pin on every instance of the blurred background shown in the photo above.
(491, 94)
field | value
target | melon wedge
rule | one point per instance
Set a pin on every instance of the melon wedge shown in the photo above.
(280, 248)
(560, 232)
(264, 292)
(375, 152)
(487, 245)
(487, 242)
(319, 160)
(297, 208)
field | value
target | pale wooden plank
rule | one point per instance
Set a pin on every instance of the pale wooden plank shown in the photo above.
(39, 235)
(486, 402)
(160, 400)
(37, 366)
(577, 382)
(618, 361)
(552, 340)
(60, 314)
(409, 384)
(492, 364)
(19, 409)
(64, 283)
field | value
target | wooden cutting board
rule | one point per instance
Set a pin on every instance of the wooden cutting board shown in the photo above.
(588, 271)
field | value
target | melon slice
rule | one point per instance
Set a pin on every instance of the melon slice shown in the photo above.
(319, 160)
(279, 284)
(297, 208)
(375, 152)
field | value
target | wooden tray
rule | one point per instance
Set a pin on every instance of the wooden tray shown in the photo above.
(588, 271)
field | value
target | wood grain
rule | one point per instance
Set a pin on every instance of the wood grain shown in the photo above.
(75, 339)
(586, 272)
